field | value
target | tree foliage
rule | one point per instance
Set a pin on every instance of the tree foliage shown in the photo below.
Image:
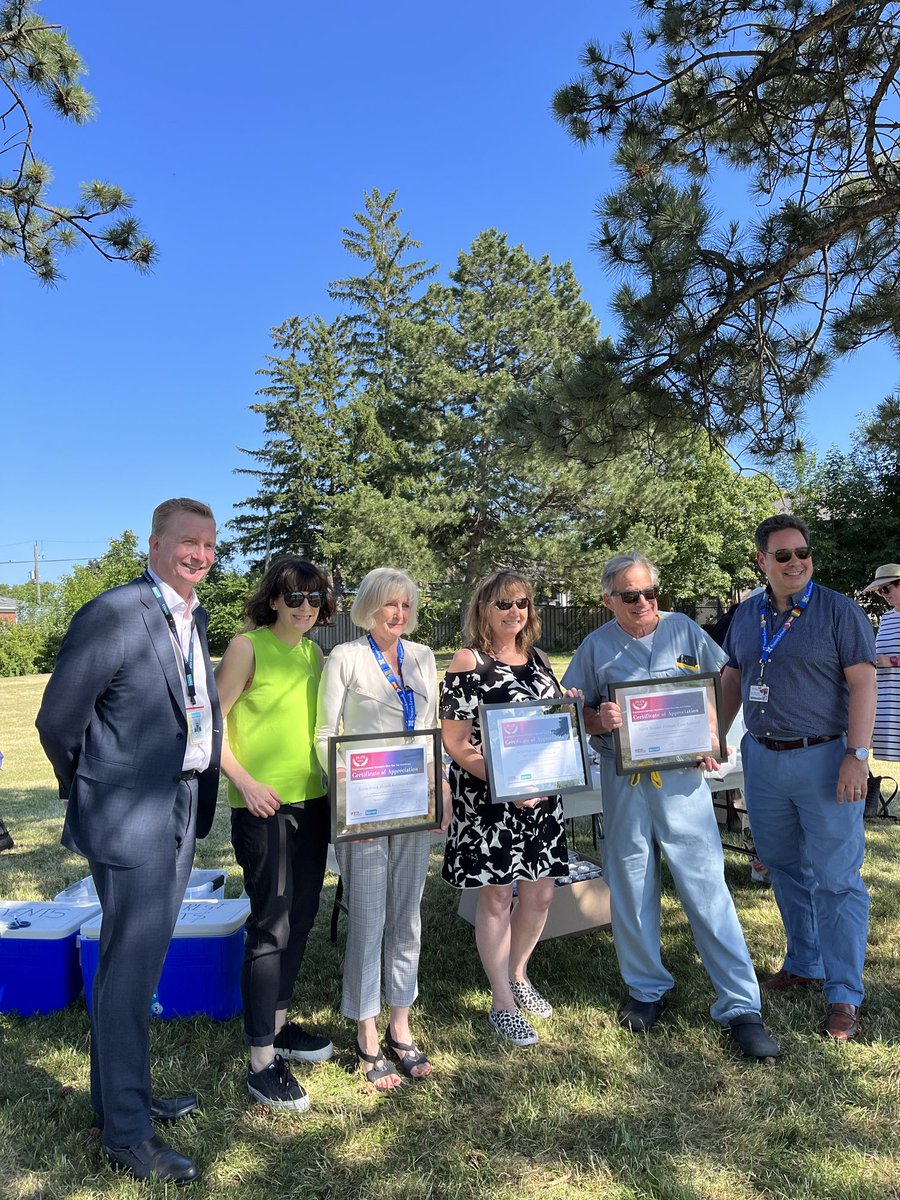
(503, 319)
(316, 426)
(851, 502)
(37, 61)
(730, 321)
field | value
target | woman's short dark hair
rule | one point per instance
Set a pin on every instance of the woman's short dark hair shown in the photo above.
(510, 584)
(289, 575)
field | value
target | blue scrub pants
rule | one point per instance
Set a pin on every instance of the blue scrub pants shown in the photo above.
(814, 848)
(677, 820)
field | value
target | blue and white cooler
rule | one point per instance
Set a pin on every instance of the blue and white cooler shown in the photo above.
(201, 975)
(203, 884)
(39, 970)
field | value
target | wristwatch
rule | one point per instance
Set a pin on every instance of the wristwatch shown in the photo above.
(894, 660)
(861, 752)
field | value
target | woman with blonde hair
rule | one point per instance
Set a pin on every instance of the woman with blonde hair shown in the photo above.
(496, 846)
(381, 683)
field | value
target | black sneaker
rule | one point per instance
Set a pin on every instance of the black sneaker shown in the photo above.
(294, 1042)
(275, 1087)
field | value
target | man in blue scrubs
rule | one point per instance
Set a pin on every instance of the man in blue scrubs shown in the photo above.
(801, 658)
(668, 813)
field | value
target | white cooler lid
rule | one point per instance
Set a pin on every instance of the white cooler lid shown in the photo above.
(198, 918)
(41, 919)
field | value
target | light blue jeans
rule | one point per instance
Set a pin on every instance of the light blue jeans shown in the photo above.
(677, 821)
(814, 848)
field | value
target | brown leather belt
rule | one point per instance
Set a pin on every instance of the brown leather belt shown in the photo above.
(796, 743)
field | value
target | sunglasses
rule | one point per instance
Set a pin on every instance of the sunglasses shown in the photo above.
(883, 591)
(505, 605)
(634, 594)
(295, 599)
(783, 556)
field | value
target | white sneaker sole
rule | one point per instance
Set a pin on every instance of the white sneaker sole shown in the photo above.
(298, 1106)
(514, 1041)
(308, 1056)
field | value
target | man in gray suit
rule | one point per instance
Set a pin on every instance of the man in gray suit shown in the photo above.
(130, 722)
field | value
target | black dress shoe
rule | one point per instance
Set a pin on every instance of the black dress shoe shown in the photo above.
(640, 1015)
(163, 1111)
(751, 1037)
(166, 1111)
(153, 1159)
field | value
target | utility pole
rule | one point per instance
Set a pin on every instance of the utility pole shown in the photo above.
(37, 576)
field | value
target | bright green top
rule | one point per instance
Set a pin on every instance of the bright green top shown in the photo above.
(271, 725)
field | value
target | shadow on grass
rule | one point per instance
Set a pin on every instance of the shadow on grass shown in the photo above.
(591, 1111)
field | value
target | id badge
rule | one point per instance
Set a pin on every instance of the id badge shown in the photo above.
(759, 693)
(195, 725)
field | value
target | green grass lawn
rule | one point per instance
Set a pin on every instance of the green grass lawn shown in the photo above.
(591, 1112)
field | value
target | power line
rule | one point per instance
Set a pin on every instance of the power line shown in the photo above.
(6, 562)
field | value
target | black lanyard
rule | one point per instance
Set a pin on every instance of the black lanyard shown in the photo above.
(170, 621)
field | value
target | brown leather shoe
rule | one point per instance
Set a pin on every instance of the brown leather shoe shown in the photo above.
(842, 1022)
(786, 979)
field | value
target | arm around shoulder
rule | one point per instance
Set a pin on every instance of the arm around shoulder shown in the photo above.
(331, 699)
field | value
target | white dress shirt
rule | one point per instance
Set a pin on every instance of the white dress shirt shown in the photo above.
(196, 757)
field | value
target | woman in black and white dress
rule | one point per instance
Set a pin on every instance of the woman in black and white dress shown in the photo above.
(493, 846)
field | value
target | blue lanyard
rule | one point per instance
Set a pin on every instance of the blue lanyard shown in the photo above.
(170, 621)
(407, 695)
(765, 646)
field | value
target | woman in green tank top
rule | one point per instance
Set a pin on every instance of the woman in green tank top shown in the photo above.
(268, 682)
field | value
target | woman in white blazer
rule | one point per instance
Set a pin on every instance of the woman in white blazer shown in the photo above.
(381, 683)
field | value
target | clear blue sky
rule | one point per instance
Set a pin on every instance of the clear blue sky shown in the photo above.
(248, 137)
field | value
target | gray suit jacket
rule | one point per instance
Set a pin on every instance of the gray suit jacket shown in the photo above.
(112, 723)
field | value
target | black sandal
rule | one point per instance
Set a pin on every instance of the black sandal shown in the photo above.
(408, 1056)
(379, 1069)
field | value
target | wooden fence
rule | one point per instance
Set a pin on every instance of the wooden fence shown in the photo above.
(564, 627)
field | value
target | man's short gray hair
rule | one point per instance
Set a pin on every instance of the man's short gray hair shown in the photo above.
(380, 586)
(621, 562)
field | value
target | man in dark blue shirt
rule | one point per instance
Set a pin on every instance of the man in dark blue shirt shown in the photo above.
(801, 658)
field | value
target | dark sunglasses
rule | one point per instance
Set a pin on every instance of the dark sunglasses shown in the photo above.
(634, 594)
(506, 605)
(783, 556)
(883, 591)
(295, 599)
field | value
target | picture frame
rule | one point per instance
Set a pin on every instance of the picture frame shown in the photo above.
(385, 783)
(668, 723)
(535, 748)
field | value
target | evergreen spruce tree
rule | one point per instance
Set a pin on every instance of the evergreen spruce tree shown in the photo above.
(484, 340)
(316, 431)
(372, 304)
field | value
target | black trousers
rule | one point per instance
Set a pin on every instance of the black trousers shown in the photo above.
(283, 859)
(140, 908)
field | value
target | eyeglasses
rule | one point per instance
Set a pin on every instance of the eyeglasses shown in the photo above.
(783, 556)
(505, 605)
(632, 595)
(295, 599)
(883, 591)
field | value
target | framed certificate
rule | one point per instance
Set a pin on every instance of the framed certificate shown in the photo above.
(384, 783)
(535, 749)
(667, 723)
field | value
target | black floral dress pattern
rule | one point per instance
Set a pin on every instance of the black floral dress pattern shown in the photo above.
(498, 843)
